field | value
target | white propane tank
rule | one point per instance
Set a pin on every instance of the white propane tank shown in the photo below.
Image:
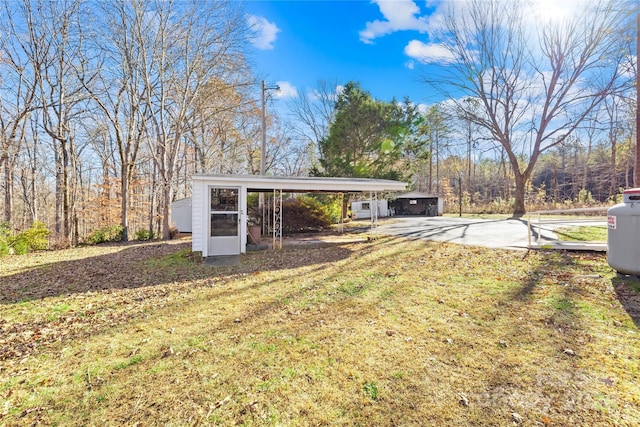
(623, 234)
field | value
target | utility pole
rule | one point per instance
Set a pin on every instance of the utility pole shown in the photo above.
(263, 149)
(263, 146)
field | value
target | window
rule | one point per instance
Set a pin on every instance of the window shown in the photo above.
(224, 224)
(224, 199)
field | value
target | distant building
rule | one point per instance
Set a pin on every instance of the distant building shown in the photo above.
(418, 204)
(362, 209)
(181, 214)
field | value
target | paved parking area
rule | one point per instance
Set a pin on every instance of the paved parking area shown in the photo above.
(509, 233)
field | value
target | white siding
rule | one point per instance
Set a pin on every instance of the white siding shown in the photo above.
(243, 218)
(181, 215)
(198, 211)
(359, 212)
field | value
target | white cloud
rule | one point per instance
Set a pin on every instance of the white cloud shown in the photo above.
(554, 11)
(399, 15)
(264, 32)
(287, 90)
(428, 53)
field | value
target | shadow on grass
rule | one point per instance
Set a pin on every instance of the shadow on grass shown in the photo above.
(627, 290)
(553, 260)
(319, 282)
(539, 320)
(135, 265)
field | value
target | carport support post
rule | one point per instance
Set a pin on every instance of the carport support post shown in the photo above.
(373, 205)
(277, 219)
(342, 214)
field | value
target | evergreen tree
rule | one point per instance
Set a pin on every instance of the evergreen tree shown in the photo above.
(365, 138)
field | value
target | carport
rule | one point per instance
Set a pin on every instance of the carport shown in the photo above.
(415, 203)
(219, 205)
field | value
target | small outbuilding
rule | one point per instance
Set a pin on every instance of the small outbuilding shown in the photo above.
(181, 214)
(418, 204)
(362, 209)
(219, 205)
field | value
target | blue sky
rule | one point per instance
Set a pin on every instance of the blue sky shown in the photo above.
(376, 43)
(388, 46)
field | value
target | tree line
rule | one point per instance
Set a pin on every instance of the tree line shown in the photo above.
(519, 95)
(108, 108)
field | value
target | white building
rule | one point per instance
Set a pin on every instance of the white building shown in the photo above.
(219, 205)
(362, 209)
(181, 214)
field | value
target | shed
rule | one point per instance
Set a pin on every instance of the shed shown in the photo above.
(219, 205)
(415, 203)
(181, 214)
(362, 209)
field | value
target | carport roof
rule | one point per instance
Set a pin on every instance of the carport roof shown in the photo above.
(289, 184)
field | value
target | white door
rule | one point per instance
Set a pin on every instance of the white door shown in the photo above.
(224, 221)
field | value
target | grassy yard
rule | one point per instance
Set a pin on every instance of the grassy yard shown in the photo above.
(589, 233)
(391, 332)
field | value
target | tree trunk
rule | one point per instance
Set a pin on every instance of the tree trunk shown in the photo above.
(585, 172)
(166, 211)
(8, 192)
(431, 170)
(34, 170)
(124, 194)
(152, 201)
(66, 205)
(345, 206)
(520, 190)
(613, 186)
(58, 221)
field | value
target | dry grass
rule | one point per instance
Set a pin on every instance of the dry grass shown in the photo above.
(394, 332)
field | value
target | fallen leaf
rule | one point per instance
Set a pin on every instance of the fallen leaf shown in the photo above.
(608, 381)
(517, 418)
(463, 399)
(167, 352)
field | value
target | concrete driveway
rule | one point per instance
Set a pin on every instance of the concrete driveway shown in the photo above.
(509, 233)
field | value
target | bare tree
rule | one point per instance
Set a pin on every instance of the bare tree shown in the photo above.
(185, 45)
(224, 120)
(613, 106)
(117, 88)
(312, 112)
(56, 37)
(19, 83)
(535, 89)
